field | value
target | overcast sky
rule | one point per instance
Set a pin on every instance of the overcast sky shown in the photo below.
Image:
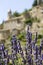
(14, 5)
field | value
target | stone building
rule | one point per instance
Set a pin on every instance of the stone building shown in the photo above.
(13, 25)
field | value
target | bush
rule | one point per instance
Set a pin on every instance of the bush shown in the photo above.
(30, 9)
(16, 14)
(36, 20)
(21, 36)
(29, 21)
(25, 11)
(40, 36)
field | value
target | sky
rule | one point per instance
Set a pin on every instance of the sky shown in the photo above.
(14, 5)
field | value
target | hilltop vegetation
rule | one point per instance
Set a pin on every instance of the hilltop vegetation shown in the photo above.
(35, 3)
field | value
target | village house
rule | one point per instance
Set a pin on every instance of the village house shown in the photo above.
(12, 25)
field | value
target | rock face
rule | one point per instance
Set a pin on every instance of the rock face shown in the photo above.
(37, 12)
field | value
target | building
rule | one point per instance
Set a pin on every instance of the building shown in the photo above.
(13, 25)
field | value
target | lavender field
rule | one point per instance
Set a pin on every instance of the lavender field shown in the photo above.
(30, 54)
(21, 32)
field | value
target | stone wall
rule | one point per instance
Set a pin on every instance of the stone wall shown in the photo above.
(14, 23)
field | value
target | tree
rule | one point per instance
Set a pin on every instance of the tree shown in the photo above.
(26, 14)
(25, 11)
(35, 3)
(16, 14)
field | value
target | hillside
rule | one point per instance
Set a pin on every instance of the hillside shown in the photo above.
(37, 14)
(35, 21)
(32, 17)
(22, 35)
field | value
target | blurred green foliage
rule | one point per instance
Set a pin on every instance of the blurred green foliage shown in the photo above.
(35, 3)
(16, 14)
(29, 21)
(40, 36)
